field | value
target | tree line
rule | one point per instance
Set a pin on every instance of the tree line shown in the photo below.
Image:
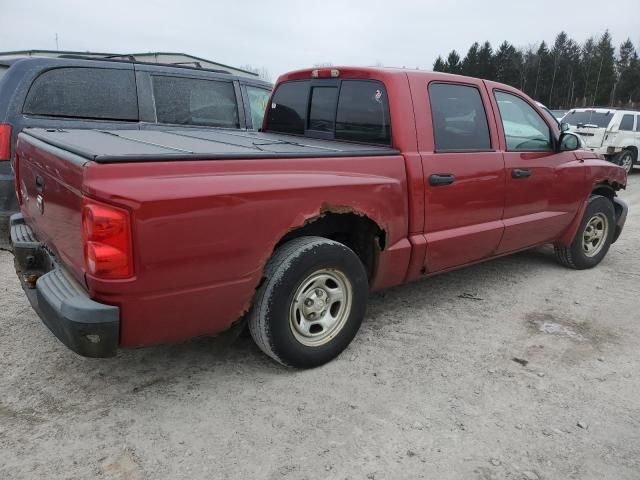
(563, 76)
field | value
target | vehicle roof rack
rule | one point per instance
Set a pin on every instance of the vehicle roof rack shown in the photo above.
(132, 59)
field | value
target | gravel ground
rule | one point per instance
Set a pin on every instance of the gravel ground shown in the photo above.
(513, 369)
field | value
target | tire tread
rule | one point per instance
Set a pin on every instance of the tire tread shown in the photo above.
(257, 320)
(565, 254)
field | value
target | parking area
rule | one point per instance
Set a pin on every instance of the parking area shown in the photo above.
(515, 368)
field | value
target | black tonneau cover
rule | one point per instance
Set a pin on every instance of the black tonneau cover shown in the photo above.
(109, 146)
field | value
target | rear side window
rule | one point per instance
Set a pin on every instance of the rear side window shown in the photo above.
(193, 101)
(353, 110)
(363, 113)
(637, 123)
(626, 123)
(258, 98)
(289, 107)
(92, 93)
(459, 118)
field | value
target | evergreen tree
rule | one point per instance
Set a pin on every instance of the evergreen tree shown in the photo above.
(544, 69)
(625, 76)
(453, 64)
(485, 62)
(471, 61)
(566, 75)
(606, 70)
(506, 64)
(438, 65)
(634, 81)
(529, 70)
(570, 82)
(558, 54)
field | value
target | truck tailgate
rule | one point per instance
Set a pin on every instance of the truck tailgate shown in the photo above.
(50, 187)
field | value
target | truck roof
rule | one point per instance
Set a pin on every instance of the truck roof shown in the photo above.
(111, 146)
(373, 72)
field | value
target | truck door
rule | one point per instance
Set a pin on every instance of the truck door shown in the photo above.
(463, 171)
(541, 183)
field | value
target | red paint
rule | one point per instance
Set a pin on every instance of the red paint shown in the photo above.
(201, 231)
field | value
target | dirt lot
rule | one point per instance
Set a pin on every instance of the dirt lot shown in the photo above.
(429, 388)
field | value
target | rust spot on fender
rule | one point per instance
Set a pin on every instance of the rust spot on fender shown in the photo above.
(329, 208)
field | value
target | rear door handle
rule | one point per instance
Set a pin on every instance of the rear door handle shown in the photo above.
(438, 179)
(520, 173)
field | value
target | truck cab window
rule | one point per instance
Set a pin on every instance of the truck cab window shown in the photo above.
(193, 101)
(322, 112)
(287, 112)
(360, 109)
(524, 128)
(459, 118)
(363, 113)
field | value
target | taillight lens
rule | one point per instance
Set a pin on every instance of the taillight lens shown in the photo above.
(5, 141)
(106, 232)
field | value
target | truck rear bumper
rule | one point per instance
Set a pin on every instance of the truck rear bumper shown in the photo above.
(87, 327)
(8, 200)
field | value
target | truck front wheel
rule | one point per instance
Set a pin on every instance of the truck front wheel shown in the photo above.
(626, 160)
(593, 238)
(311, 302)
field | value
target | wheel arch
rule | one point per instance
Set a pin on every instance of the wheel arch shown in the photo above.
(603, 189)
(633, 149)
(354, 229)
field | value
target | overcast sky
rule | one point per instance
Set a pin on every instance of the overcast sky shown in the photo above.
(285, 35)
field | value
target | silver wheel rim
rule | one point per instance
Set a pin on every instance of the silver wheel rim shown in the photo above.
(627, 162)
(595, 234)
(320, 307)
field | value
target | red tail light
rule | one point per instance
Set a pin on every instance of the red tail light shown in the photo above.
(106, 231)
(5, 141)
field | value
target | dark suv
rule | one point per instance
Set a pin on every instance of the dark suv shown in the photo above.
(116, 94)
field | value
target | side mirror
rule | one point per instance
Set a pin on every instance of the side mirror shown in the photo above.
(564, 127)
(569, 142)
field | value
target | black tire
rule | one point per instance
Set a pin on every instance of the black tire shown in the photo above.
(291, 265)
(626, 159)
(574, 256)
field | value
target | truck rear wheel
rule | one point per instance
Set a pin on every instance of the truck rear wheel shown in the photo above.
(311, 302)
(593, 238)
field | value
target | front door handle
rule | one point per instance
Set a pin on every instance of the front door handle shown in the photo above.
(520, 173)
(39, 184)
(438, 179)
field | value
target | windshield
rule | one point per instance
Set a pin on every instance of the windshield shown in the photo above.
(588, 117)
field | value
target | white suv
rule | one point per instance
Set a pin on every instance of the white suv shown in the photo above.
(610, 132)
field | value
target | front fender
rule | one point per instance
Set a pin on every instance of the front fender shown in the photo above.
(602, 175)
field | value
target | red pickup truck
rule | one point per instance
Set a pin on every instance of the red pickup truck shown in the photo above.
(361, 179)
